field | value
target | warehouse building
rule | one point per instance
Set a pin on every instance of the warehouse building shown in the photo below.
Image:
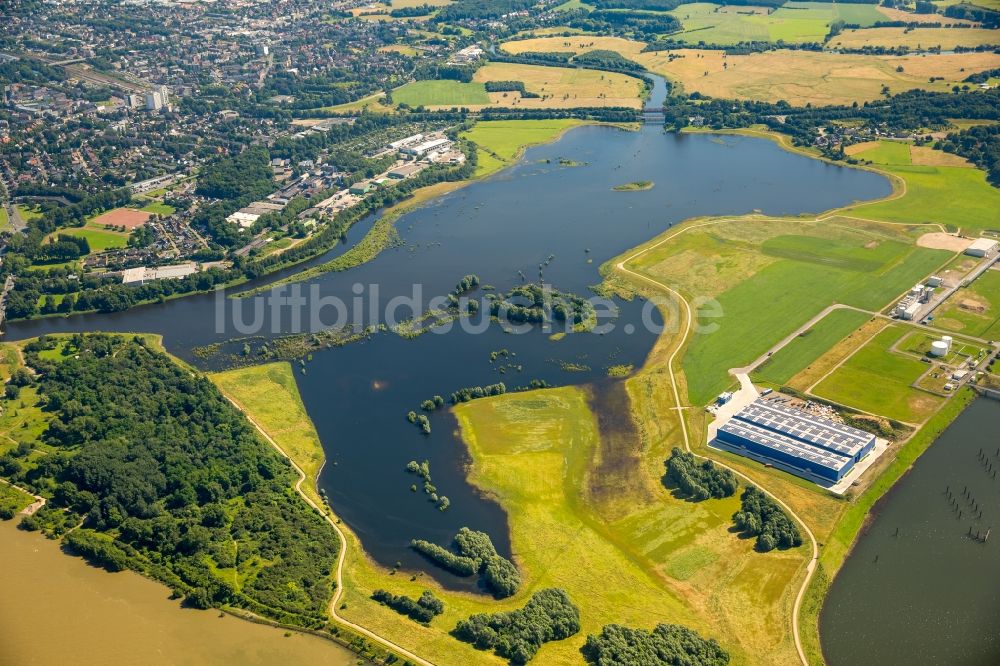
(797, 440)
(982, 247)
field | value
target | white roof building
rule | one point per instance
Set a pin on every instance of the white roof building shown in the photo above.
(982, 247)
(245, 220)
(144, 274)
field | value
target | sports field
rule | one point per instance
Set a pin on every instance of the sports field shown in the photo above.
(878, 380)
(500, 142)
(798, 354)
(129, 218)
(916, 39)
(97, 236)
(974, 310)
(769, 277)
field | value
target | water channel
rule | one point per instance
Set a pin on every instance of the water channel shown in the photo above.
(919, 587)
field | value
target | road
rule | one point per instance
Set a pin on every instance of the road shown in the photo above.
(342, 555)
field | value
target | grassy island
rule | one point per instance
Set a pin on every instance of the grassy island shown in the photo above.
(634, 186)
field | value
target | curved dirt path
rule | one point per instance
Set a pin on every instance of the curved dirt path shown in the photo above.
(811, 566)
(341, 556)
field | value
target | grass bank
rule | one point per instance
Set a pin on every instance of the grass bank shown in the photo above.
(268, 394)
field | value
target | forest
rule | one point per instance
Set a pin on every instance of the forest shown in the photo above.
(665, 645)
(761, 516)
(163, 475)
(699, 481)
(516, 635)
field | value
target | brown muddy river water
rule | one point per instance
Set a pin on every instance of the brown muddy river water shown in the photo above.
(57, 609)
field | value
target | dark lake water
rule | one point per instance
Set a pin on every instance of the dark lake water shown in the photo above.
(928, 594)
(500, 229)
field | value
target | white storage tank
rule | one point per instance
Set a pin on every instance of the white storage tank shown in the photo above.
(947, 340)
(939, 348)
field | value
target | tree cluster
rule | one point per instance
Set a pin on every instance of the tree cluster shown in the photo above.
(699, 480)
(475, 392)
(761, 516)
(476, 554)
(245, 176)
(517, 635)
(665, 645)
(423, 610)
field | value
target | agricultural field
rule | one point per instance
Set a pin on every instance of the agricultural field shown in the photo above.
(801, 77)
(769, 277)
(562, 87)
(795, 22)
(916, 39)
(578, 44)
(878, 380)
(974, 310)
(402, 4)
(444, 93)
(894, 14)
(4, 221)
(500, 143)
(798, 354)
(558, 87)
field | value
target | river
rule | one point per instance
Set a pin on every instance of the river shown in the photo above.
(58, 609)
(917, 588)
(556, 210)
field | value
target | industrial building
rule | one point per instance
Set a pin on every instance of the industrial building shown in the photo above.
(425, 147)
(805, 444)
(143, 274)
(982, 247)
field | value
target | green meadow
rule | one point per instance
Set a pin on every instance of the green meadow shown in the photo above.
(158, 208)
(440, 93)
(876, 379)
(501, 142)
(759, 311)
(957, 197)
(809, 346)
(99, 239)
